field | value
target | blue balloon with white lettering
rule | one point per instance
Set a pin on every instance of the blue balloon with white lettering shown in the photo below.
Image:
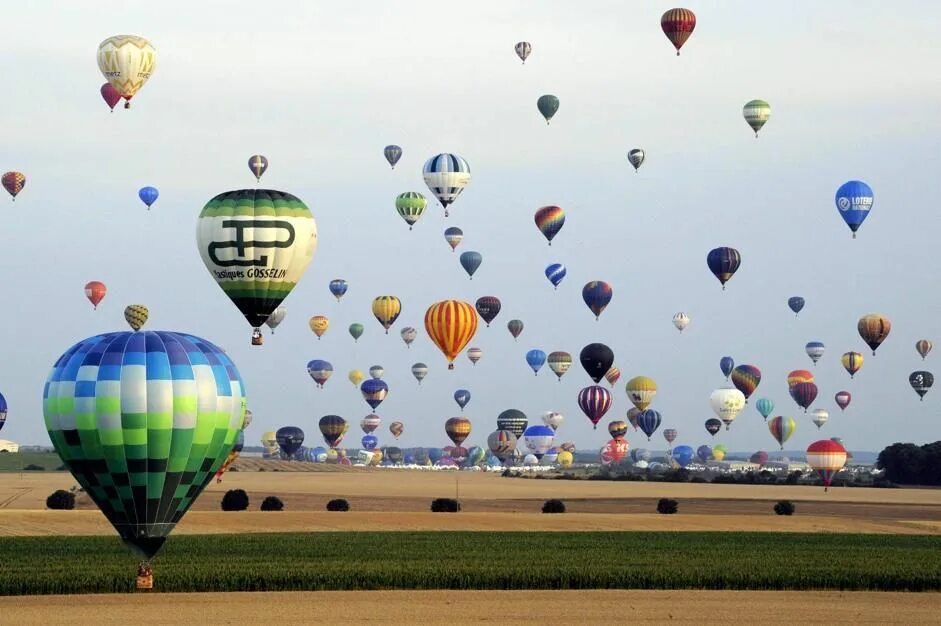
(796, 303)
(555, 273)
(462, 397)
(683, 455)
(536, 359)
(853, 201)
(370, 442)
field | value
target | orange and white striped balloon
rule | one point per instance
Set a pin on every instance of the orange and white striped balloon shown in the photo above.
(451, 324)
(827, 457)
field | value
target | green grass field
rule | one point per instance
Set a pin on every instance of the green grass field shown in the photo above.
(479, 560)
(15, 462)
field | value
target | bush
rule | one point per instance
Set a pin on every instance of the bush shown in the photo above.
(445, 505)
(61, 500)
(32, 467)
(235, 500)
(553, 506)
(272, 503)
(784, 507)
(666, 506)
(338, 504)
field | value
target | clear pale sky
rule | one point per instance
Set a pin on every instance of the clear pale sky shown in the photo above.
(320, 88)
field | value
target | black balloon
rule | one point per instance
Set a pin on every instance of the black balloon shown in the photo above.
(597, 359)
(290, 439)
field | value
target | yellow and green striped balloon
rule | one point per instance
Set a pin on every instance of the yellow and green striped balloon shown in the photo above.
(410, 205)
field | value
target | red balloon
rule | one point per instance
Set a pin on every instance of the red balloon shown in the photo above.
(678, 25)
(110, 95)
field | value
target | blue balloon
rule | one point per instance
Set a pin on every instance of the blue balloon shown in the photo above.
(289, 439)
(318, 454)
(3, 410)
(374, 391)
(853, 201)
(723, 263)
(148, 195)
(536, 359)
(434, 454)
(683, 455)
(796, 303)
(462, 397)
(392, 153)
(369, 442)
(649, 422)
(703, 453)
(470, 261)
(338, 287)
(555, 273)
(640, 454)
(726, 364)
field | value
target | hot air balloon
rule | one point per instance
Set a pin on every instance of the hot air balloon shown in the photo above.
(636, 158)
(488, 307)
(596, 360)
(759, 458)
(804, 394)
(681, 321)
(256, 273)
(538, 439)
(756, 114)
(523, 50)
(718, 453)
(257, 163)
(446, 176)
(502, 444)
(419, 371)
(289, 439)
(795, 303)
(513, 420)
(356, 377)
(703, 453)
(559, 363)
(338, 287)
(923, 347)
(370, 423)
(136, 315)
(392, 153)
(536, 359)
(555, 273)
(649, 422)
(727, 404)
(319, 325)
(110, 95)
(678, 25)
(277, 316)
(723, 263)
(820, 417)
(640, 454)
(549, 221)
(454, 236)
(683, 455)
(765, 407)
(640, 391)
(457, 429)
(97, 379)
(597, 294)
(126, 61)
(852, 362)
(13, 182)
(356, 330)
(396, 428)
(726, 364)
(374, 391)
(148, 195)
(565, 459)
(854, 201)
(333, 427)
(410, 206)
(614, 451)
(470, 261)
(320, 371)
(386, 309)
(632, 414)
(95, 292)
(515, 327)
(408, 335)
(613, 375)
(827, 457)
(921, 382)
(782, 428)
(451, 324)
(594, 401)
(474, 355)
(462, 397)
(815, 350)
(552, 419)
(746, 379)
(376, 371)
(843, 399)
(799, 376)
(617, 429)
(713, 426)
(548, 105)
(248, 419)
(369, 442)
(670, 434)
(874, 328)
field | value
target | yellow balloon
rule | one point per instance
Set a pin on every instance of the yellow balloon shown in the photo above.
(356, 377)
(319, 324)
(565, 459)
(126, 61)
(641, 390)
(136, 316)
(387, 310)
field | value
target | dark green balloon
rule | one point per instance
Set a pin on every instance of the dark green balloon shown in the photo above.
(548, 105)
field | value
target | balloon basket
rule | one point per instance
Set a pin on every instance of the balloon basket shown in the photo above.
(145, 577)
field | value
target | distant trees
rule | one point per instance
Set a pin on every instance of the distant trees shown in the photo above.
(909, 464)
